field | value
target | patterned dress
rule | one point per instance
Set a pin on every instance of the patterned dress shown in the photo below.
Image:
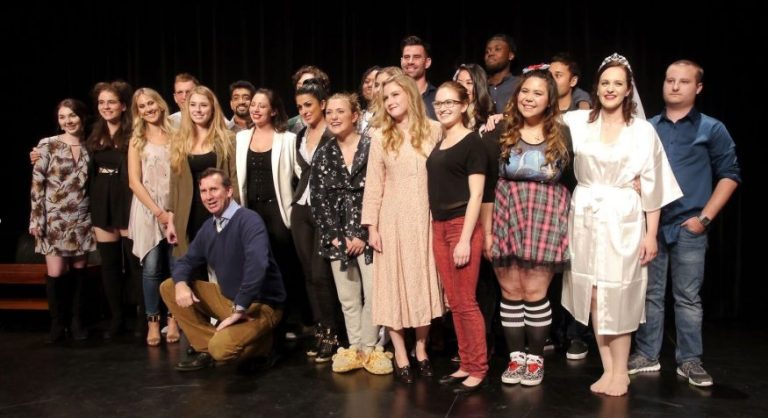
(406, 290)
(59, 200)
(530, 213)
(143, 228)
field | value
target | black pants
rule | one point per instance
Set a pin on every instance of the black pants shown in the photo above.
(318, 278)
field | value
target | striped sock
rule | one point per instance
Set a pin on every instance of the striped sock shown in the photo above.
(512, 322)
(538, 318)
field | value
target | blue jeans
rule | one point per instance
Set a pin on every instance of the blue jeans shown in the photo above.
(685, 259)
(154, 270)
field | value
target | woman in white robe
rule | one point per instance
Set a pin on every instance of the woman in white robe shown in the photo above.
(612, 228)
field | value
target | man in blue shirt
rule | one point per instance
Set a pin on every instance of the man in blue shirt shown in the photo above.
(701, 152)
(247, 294)
(500, 51)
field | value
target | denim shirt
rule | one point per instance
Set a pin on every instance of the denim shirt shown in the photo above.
(700, 151)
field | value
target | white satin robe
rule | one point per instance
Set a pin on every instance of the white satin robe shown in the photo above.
(606, 223)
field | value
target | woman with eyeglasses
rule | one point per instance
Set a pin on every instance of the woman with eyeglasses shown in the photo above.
(456, 174)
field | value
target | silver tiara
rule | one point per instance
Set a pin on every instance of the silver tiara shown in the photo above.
(617, 58)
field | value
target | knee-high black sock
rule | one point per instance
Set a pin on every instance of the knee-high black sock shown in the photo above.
(538, 318)
(112, 277)
(512, 324)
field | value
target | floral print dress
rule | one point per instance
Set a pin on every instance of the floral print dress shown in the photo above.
(59, 200)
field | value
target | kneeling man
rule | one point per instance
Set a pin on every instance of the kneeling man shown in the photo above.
(247, 294)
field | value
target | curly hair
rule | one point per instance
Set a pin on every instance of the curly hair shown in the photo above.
(554, 135)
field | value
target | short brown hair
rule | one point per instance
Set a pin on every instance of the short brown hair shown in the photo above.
(212, 171)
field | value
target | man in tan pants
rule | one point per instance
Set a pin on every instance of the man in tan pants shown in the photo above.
(247, 295)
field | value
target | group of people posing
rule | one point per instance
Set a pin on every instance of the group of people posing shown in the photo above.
(390, 207)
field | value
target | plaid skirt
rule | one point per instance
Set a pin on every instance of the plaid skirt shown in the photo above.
(530, 224)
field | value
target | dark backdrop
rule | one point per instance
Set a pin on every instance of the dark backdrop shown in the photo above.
(61, 51)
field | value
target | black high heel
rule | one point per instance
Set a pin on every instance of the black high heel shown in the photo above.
(404, 374)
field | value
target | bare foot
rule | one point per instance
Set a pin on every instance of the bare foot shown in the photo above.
(619, 385)
(602, 384)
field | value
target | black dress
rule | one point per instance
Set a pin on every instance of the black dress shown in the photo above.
(109, 191)
(198, 214)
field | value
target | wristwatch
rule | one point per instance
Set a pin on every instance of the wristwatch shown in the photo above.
(704, 220)
(238, 309)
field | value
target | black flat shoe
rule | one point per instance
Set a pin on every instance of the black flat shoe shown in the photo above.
(199, 362)
(450, 379)
(463, 389)
(425, 368)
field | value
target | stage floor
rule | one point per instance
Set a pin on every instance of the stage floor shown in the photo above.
(128, 379)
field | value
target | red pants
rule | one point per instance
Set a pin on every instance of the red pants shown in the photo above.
(460, 285)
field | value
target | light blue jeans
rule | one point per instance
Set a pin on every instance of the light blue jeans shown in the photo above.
(154, 270)
(685, 261)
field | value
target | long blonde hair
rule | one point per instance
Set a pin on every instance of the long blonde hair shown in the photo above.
(219, 137)
(139, 136)
(418, 123)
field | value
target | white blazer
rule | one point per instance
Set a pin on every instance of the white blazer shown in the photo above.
(283, 168)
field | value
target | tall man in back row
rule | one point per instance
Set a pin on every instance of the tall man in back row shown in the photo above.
(247, 294)
(701, 152)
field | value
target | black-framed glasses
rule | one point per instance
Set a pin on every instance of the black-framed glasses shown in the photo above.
(446, 103)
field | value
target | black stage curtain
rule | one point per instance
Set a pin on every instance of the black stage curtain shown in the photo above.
(61, 51)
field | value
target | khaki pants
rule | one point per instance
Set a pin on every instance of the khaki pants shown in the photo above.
(243, 339)
(354, 288)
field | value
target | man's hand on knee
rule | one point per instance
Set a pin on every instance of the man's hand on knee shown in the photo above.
(184, 295)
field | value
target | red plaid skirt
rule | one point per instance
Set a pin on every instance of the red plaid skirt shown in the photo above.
(530, 224)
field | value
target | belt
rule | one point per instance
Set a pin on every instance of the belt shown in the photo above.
(109, 171)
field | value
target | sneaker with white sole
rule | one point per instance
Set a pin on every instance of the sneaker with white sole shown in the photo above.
(638, 363)
(695, 373)
(577, 350)
(515, 369)
(534, 370)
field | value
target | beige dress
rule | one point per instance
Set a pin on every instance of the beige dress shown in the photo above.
(143, 228)
(406, 289)
(606, 223)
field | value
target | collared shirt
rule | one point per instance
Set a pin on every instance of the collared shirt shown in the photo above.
(221, 222)
(502, 92)
(429, 96)
(235, 128)
(700, 151)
